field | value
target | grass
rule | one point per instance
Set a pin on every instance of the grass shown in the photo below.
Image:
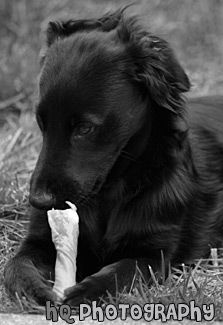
(201, 284)
(193, 28)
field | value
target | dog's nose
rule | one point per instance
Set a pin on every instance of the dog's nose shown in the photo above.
(42, 200)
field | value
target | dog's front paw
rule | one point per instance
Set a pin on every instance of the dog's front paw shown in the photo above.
(90, 289)
(23, 279)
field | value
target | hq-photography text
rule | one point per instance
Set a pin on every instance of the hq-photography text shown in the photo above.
(148, 312)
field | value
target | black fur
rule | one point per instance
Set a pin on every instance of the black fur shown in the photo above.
(145, 172)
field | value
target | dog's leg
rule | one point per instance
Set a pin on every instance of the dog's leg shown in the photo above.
(118, 276)
(30, 272)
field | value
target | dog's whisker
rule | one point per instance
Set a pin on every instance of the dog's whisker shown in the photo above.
(85, 200)
(129, 157)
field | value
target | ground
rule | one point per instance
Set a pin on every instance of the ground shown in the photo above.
(194, 30)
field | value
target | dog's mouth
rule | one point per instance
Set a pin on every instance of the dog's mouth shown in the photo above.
(86, 198)
(83, 198)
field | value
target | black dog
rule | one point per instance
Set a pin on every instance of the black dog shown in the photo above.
(146, 176)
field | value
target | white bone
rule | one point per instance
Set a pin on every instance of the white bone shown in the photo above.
(65, 230)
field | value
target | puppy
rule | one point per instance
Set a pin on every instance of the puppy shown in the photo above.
(144, 169)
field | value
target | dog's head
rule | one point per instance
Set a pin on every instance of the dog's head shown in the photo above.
(98, 81)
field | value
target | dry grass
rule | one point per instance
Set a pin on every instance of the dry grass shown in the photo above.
(202, 283)
(193, 27)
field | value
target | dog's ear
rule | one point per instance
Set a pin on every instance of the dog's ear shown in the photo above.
(156, 67)
(62, 29)
(54, 31)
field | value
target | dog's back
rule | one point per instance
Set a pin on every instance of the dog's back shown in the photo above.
(208, 113)
(205, 133)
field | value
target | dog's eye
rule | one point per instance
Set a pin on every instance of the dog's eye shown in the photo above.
(83, 129)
